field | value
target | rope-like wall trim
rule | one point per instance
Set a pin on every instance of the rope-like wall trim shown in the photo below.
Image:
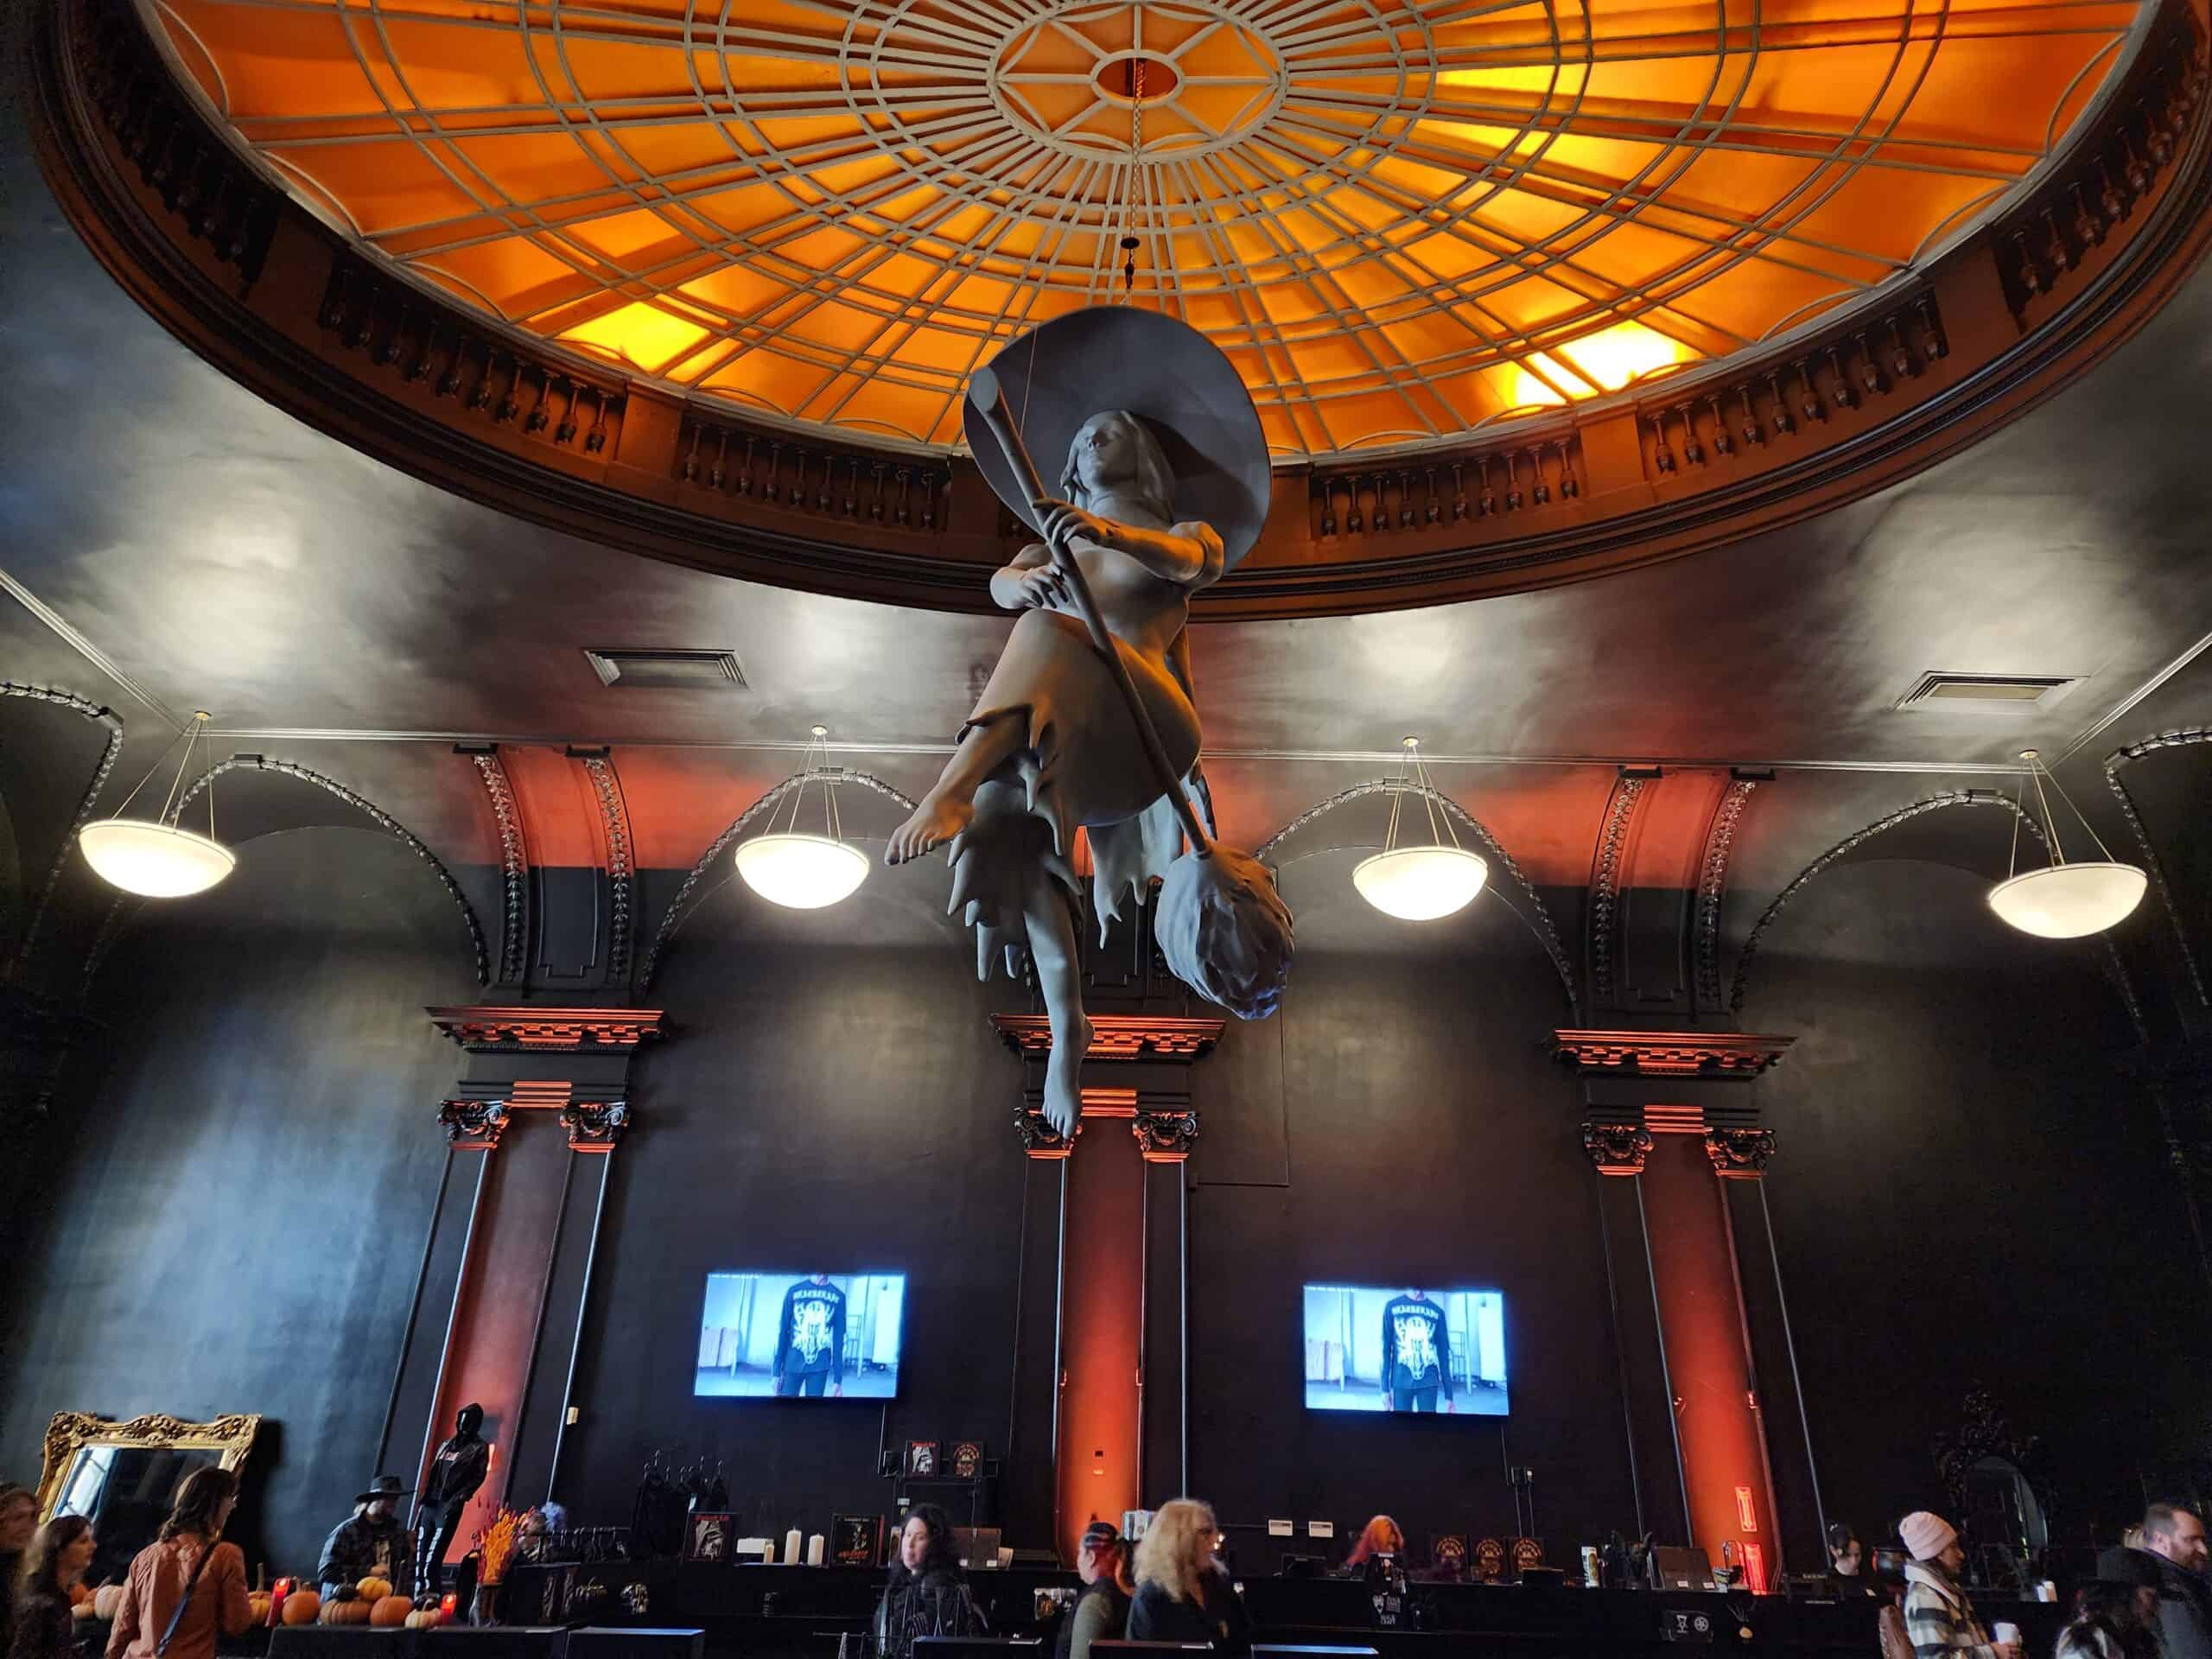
(375, 814)
(101, 715)
(674, 916)
(2181, 737)
(1540, 923)
(1858, 838)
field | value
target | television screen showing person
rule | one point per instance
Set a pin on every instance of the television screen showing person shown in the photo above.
(801, 1335)
(1406, 1349)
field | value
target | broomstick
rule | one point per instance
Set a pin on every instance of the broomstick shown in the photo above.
(1223, 927)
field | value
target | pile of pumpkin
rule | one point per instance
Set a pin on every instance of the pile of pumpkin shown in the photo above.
(88, 1602)
(370, 1602)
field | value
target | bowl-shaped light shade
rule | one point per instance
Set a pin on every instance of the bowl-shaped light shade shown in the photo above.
(1421, 884)
(803, 872)
(2068, 901)
(153, 860)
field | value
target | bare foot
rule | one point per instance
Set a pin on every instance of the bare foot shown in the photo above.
(934, 822)
(1064, 1078)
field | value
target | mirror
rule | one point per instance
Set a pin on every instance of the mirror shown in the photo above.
(122, 1476)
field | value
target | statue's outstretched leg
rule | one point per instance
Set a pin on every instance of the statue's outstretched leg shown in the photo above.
(1059, 975)
(949, 806)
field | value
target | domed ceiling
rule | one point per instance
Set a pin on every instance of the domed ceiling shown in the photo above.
(1403, 221)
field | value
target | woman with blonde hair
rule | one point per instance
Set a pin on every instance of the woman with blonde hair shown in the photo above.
(1183, 1593)
(1381, 1538)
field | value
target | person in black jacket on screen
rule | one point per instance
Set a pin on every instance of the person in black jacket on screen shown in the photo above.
(811, 1346)
(1416, 1353)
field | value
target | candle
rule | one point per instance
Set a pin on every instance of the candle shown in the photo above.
(790, 1548)
(814, 1548)
(448, 1603)
(767, 1552)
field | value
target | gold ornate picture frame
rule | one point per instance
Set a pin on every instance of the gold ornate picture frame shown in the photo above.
(71, 1431)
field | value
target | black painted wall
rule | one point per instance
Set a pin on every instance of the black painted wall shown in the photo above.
(1963, 1193)
(232, 1217)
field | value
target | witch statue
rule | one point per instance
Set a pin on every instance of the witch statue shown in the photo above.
(1089, 722)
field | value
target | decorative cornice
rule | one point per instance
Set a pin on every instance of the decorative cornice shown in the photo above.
(109, 720)
(1739, 1155)
(1039, 1137)
(514, 864)
(1117, 1036)
(262, 288)
(1605, 861)
(1669, 1054)
(1936, 803)
(622, 873)
(546, 1030)
(1534, 917)
(595, 1125)
(1165, 1136)
(1712, 887)
(472, 1125)
(675, 915)
(1616, 1148)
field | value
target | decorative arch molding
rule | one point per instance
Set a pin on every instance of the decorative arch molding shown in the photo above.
(675, 915)
(111, 722)
(361, 803)
(1536, 918)
(1851, 843)
(2181, 737)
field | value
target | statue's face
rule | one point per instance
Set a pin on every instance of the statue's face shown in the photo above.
(1108, 452)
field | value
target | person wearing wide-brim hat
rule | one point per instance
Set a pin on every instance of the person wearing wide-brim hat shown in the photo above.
(1165, 484)
(371, 1543)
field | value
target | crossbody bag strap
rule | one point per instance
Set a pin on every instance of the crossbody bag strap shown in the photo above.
(191, 1583)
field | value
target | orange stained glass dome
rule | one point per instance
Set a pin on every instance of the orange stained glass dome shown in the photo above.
(1402, 219)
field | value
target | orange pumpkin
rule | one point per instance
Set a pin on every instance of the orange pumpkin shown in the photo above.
(390, 1612)
(355, 1612)
(80, 1594)
(107, 1599)
(373, 1590)
(259, 1601)
(302, 1606)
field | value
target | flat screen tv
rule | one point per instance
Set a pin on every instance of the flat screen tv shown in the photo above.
(1406, 1349)
(803, 1335)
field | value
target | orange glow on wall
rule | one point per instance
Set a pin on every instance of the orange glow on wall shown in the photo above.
(1102, 1332)
(1701, 1308)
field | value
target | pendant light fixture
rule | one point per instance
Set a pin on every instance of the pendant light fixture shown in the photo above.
(1421, 883)
(154, 858)
(796, 869)
(2065, 901)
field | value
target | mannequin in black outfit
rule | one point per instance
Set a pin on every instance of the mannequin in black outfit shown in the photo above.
(456, 1473)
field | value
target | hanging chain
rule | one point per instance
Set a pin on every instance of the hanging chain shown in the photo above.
(1136, 152)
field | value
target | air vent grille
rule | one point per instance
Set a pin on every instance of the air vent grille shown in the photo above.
(666, 668)
(1987, 691)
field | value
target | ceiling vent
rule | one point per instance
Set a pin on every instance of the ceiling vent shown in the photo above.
(1987, 692)
(666, 668)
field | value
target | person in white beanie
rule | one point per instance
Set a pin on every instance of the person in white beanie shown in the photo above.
(1937, 1615)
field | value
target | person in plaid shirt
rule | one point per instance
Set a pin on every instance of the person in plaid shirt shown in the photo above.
(1938, 1617)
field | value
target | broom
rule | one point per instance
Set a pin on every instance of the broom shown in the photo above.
(1223, 927)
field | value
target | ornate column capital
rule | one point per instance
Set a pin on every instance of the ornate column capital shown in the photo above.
(1668, 1053)
(474, 1125)
(1039, 1137)
(1164, 1135)
(1117, 1036)
(1739, 1155)
(1616, 1148)
(595, 1125)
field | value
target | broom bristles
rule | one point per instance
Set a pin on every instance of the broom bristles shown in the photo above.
(1226, 930)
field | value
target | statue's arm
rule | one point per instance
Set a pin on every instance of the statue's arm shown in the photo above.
(1027, 583)
(1189, 555)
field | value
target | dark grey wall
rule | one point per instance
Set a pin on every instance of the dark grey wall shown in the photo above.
(231, 1215)
(1965, 1191)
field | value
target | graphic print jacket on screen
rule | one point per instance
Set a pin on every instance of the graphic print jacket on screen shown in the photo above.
(813, 1335)
(1414, 1336)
